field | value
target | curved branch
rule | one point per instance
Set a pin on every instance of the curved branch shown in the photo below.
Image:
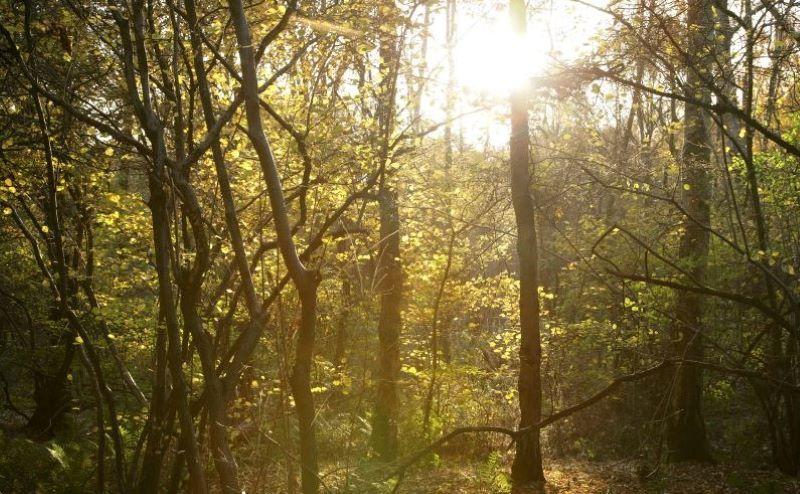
(405, 464)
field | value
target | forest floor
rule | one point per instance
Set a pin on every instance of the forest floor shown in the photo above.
(589, 477)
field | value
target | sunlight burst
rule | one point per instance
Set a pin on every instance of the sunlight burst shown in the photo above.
(491, 59)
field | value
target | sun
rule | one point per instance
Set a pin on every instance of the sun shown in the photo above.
(490, 59)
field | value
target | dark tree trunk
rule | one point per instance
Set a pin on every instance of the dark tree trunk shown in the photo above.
(300, 382)
(306, 281)
(527, 467)
(150, 471)
(384, 420)
(51, 397)
(166, 299)
(686, 432)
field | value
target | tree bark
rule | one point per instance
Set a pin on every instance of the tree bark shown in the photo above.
(686, 432)
(527, 467)
(166, 299)
(306, 281)
(384, 419)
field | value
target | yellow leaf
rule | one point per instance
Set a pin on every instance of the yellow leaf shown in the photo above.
(109, 151)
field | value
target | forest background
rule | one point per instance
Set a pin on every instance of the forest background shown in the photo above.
(375, 246)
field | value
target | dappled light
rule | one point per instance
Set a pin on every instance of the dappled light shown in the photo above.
(399, 246)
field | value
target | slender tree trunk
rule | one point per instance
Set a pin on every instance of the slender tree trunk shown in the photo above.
(134, 58)
(306, 281)
(65, 291)
(435, 336)
(438, 332)
(422, 70)
(450, 101)
(51, 391)
(162, 241)
(527, 467)
(727, 74)
(686, 432)
(786, 419)
(777, 57)
(150, 472)
(384, 419)
(218, 398)
(341, 336)
(300, 382)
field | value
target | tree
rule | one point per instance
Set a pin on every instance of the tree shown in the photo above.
(686, 433)
(390, 274)
(527, 466)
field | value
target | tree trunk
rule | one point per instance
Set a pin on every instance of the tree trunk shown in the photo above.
(166, 300)
(300, 382)
(384, 419)
(727, 74)
(51, 396)
(341, 336)
(686, 432)
(306, 281)
(527, 467)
